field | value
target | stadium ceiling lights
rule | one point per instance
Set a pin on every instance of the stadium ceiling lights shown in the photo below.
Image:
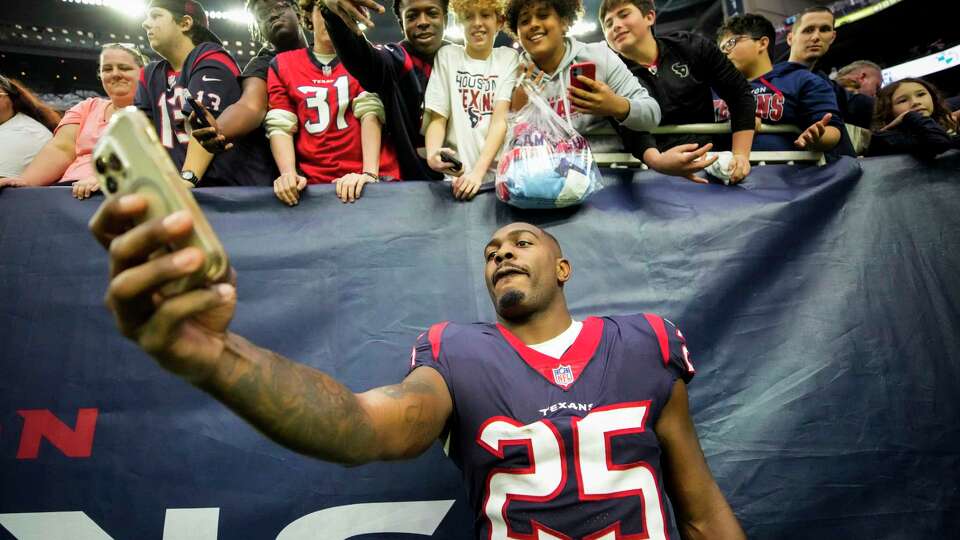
(239, 15)
(130, 8)
(137, 9)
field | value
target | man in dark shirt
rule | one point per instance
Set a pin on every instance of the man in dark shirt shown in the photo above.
(810, 39)
(679, 71)
(278, 23)
(786, 93)
(397, 72)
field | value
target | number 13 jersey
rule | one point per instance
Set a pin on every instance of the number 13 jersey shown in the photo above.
(560, 448)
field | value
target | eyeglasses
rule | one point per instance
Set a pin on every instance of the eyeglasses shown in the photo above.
(729, 44)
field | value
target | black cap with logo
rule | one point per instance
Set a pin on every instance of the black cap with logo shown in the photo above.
(201, 23)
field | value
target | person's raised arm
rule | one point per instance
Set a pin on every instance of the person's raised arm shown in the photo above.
(369, 65)
(295, 405)
(702, 511)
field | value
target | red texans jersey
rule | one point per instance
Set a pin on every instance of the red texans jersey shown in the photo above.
(560, 448)
(327, 141)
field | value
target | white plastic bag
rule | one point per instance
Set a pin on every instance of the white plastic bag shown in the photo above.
(547, 164)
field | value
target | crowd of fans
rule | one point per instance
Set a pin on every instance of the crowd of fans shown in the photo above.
(349, 112)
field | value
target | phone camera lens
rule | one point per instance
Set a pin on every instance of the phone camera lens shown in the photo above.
(111, 184)
(114, 163)
(101, 165)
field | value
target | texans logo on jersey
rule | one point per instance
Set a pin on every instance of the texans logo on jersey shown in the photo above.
(476, 95)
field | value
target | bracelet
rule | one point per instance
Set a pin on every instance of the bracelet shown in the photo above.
(376, 178)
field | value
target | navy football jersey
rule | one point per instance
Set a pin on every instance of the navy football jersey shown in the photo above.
(211, 75)
(788, 94)
(560, 448)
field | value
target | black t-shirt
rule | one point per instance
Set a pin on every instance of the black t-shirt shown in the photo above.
(258, 65)
(688, 67)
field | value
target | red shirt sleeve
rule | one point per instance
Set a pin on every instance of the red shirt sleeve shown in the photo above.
(277, 94)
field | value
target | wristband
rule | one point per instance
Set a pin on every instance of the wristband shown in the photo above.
(376, 178)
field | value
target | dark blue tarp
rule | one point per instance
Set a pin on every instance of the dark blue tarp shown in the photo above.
(821, 305)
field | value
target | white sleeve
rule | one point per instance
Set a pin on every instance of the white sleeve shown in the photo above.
(437, 97)
(509, 79)
(279, 121)
(369, 103)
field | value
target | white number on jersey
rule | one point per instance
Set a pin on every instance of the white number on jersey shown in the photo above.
(317, 100)
(598, 477)
(170, 127)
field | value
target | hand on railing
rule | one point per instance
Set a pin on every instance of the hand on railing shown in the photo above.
(682, 160)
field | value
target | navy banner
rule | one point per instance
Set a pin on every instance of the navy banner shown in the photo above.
(821, 307)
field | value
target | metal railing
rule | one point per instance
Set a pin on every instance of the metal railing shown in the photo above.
(626, 160)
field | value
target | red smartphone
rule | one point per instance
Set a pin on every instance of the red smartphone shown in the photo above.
(587, 69)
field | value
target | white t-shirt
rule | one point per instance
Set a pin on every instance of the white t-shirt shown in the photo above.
(21, 137)
(464, 90)
(555, 347)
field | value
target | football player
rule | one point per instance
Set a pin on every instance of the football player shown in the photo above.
(562, 428)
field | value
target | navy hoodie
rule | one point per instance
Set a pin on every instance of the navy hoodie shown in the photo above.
(791, 94)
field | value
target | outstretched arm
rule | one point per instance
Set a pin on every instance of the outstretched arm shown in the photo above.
(702, 511)
(308, 411)
(295, 405)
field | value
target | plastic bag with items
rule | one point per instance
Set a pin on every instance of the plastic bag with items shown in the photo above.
(547, 164)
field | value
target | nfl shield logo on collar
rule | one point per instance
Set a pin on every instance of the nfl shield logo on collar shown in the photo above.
(563, 375)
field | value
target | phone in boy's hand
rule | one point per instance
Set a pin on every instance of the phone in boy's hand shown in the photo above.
(587, 69)
(199, 111)
(451, 158)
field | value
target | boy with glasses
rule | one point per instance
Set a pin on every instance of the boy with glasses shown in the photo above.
(679, 71)
(786, 93)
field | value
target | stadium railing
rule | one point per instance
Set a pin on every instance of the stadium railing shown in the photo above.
(626, 160)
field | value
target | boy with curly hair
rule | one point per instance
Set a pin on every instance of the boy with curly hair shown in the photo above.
(613, 97)
(468, 98)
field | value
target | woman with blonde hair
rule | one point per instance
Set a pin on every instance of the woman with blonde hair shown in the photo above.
(67, 158)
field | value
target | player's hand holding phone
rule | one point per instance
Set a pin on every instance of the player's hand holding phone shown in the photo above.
(589, 95)
(169, 285)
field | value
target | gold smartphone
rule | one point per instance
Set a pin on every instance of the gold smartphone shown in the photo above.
(129, 159)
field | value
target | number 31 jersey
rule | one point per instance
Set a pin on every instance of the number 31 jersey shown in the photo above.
(327, 140)
(560, 448)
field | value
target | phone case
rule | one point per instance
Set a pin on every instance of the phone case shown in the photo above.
(587, 69)
(129, 159)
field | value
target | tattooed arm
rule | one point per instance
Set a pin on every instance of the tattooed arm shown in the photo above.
(295, 405)
(310, 412)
